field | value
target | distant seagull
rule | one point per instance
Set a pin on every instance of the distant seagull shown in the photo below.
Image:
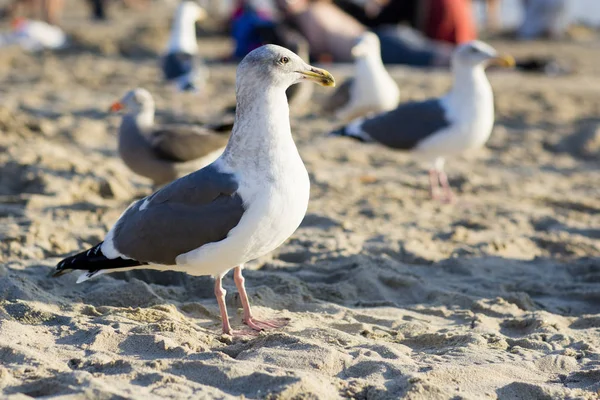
(242, 206)
(371, 90)
(164, 153)
(441, 127)
(34, 35)
(180, 63)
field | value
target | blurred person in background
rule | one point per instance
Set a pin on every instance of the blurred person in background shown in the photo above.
(541, 18)
(444, 20)
(332, 27)
(98, 7)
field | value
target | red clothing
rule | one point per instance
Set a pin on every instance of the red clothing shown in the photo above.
(450, 21)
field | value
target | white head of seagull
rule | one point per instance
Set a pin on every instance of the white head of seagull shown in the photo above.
(183, 33)
(476, 54)
(471, 94)
(277, 68)
(134, 102)
(367, 46)
(139, 104)
(371, 89)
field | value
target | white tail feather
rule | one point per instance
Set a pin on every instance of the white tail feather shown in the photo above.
(89, 275)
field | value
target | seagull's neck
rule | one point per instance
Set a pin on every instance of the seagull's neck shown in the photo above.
(261, 136)
(371, 62)
(144, 119)
(183, 33)
(471, 86)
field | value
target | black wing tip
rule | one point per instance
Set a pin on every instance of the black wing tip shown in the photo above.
(77, 261)
(344, 132)
(93, 260)
(337, 132)
(60, 272)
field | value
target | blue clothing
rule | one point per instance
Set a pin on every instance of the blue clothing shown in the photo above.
(405, 46)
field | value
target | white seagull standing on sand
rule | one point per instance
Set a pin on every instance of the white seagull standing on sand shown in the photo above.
(242, 206)
(371, 90)
(164, 153)
(180, 64)
(441, 127)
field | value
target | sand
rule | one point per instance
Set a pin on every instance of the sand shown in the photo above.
(389, 294)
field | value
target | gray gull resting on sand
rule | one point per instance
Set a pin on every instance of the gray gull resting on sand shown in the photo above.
(242, 206)
(371, 90)
(164, 153)
(441, 127)
(180, 63)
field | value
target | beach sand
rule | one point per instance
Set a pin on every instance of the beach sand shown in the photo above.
(388, 293)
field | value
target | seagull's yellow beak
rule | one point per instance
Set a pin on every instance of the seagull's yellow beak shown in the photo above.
(116, 106)
(504, 61)
(318, 75)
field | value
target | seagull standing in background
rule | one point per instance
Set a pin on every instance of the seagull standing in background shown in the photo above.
(442, 127)
(180, 65)
(164, 153)
(371, 90)
(242, 206)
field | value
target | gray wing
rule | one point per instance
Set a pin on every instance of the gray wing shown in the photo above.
(340, 98)
(407, 125)
(177, 64)
(197, 209)
(186, 143)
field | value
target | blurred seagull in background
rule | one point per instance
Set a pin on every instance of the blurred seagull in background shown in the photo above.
(164, 153)
(371, 90)
(242, 206)
(442, 127)
(180, 64)
(34, 35)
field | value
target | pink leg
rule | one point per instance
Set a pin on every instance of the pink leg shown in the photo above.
(220, 294)
(433, 183)
(248, 317)
(448, 196)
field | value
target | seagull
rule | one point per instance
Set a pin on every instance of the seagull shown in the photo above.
(442, 127)
(240, 207)
(179, 64)
(164, 153)
(35, 36)
(371, 90)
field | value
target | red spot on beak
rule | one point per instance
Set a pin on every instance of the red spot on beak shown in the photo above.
(116, 106)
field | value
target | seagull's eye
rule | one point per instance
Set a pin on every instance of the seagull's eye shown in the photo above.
(474, 50)
(284, 60)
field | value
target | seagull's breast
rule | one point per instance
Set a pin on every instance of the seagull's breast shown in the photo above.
(374, 87)
(471, 124)
(277, 203)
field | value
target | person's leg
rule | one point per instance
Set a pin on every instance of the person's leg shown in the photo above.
(51, 10)
(98, 9)
(492, 14)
